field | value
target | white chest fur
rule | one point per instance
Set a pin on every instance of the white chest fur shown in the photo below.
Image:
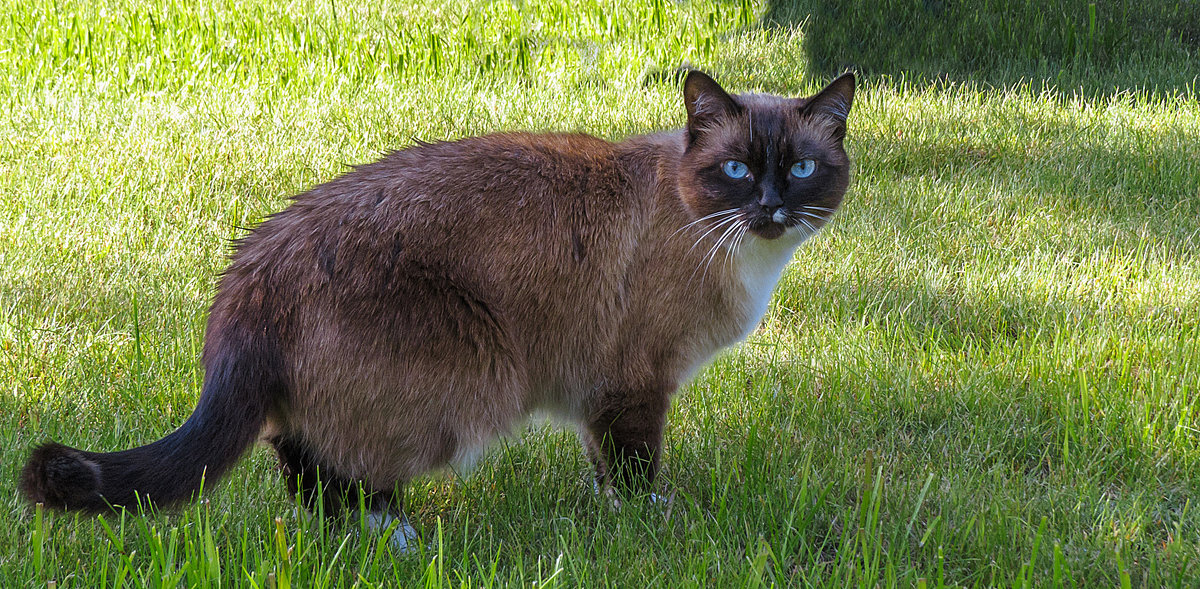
(760, 265)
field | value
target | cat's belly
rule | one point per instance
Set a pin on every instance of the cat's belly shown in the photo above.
(559, 405)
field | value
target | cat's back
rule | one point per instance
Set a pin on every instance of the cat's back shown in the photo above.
(479, 176)
(506, 166)
(532, 212)
(518, 180)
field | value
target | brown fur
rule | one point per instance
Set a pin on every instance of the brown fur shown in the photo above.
(401, 316)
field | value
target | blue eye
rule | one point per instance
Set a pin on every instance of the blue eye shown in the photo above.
(804, 168)
(735, 169)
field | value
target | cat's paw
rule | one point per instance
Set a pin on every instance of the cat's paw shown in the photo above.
(659, 500)
(403, 536)
(665, 502)
(609, 493)
(304, 517)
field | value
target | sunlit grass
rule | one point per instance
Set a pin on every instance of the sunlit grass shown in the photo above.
(983, 373)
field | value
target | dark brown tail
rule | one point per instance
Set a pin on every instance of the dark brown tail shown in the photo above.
(242, 381)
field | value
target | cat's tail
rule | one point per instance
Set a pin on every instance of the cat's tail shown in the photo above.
(243, 380)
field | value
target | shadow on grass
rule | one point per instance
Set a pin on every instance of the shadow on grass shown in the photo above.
(1142, 183)
(1093, 48)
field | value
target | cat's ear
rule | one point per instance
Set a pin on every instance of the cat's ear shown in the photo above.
(833, 102)
(706, 102)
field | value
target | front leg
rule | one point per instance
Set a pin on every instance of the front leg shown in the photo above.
(623, 438)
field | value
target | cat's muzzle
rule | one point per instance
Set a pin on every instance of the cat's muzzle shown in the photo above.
(770, 226)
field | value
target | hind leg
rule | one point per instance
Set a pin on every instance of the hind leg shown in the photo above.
(322, 491)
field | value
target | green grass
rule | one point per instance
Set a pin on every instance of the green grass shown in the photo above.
(984, 373)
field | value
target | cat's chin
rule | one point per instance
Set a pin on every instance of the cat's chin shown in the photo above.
(768, 230)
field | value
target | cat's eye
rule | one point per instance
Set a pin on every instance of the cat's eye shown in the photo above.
(735, 169)
(804, 168)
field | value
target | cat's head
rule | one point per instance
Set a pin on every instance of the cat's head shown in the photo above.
(769, 165)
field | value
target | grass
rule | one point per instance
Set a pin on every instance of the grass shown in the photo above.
(984, 373)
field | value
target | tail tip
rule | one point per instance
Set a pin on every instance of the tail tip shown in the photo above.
(60, 477)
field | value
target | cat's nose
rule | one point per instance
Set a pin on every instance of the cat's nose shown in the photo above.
(769, 200)
(774, 211)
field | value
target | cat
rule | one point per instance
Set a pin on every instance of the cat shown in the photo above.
(398, 318)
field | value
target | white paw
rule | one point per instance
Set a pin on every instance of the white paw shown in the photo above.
(660, 501)
(304, 516)
(403, 534)
(664, 503)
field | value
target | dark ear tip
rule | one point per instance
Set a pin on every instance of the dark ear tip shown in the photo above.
(847, 78)
(695, 76)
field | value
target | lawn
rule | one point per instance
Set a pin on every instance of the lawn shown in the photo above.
(985, 372)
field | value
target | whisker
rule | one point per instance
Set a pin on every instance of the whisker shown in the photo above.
(720, 216)
(711, 251)
(805, 228)
(732, 245)
(711, 254)
(818, 208)
(714, 227)
(730, 254)
(729, 233)
(717, 244)
(729, 248)
(812, 230)
(703, 219)
(813, 215)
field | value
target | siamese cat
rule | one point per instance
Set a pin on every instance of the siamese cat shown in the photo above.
(398, 318)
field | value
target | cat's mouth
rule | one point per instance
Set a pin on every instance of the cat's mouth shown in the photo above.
(771, 224)
(767, 228)
(807, 220)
